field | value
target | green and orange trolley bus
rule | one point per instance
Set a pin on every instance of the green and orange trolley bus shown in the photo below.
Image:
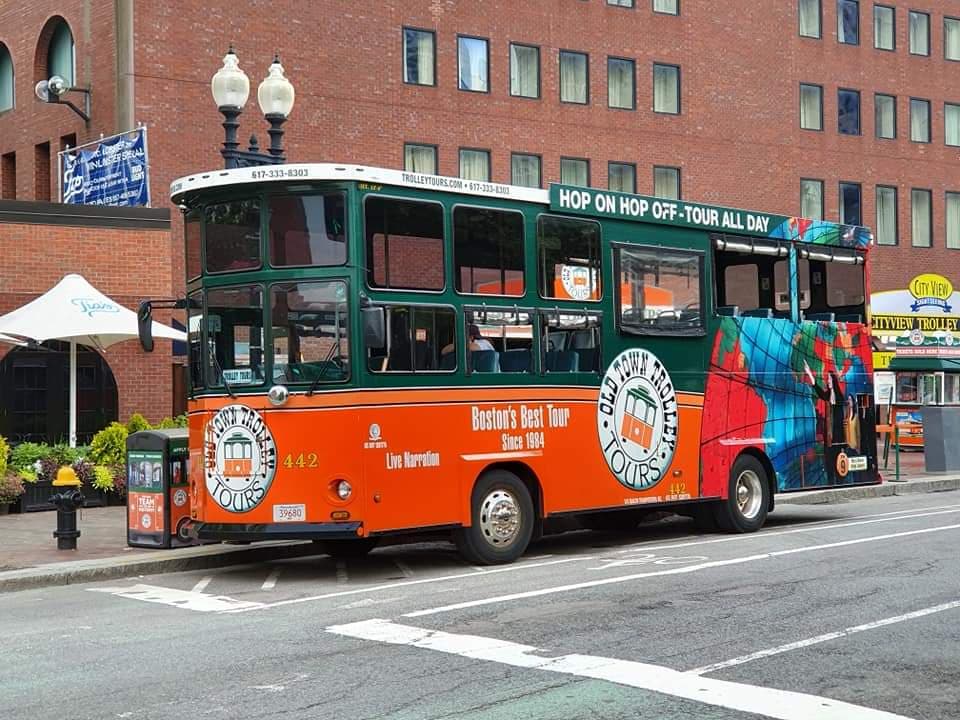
(373, 352)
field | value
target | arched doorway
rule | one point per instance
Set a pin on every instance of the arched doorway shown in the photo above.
(35, 388)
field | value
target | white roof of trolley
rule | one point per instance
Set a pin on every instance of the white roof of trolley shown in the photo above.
(308, 172)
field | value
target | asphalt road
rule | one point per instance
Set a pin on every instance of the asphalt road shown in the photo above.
(845, 612)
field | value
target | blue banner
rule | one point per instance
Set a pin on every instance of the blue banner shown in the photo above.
(115, 173)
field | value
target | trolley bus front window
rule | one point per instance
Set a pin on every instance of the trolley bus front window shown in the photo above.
(234, 323)
(310, 332)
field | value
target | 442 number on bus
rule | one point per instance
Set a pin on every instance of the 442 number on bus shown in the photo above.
(303, 460)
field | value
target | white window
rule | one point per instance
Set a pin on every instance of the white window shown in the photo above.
(884, 35)
(666, 182)
(920, 120)
(951, 122)
(919, 33)
(953, 220)
(668, 7)
(951, 38)
(886, 215)
(420, 158)
(524, 71)
(666, 89)
(811, 199)
(419, 56)
(811, 107)
(573, 77)
(810, 18)
(475, 164)
(922, 218)
(575, 171)
(60, 56)
(622, 177)
(473, 64)
(620, 83)
(885, 116)
(525, 170)
(6, 79)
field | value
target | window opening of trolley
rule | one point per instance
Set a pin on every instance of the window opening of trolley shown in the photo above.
(500, 340)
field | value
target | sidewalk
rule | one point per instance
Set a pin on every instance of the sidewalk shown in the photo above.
(29, 557)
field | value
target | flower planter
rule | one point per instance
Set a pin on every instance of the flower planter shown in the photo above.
(36, 496)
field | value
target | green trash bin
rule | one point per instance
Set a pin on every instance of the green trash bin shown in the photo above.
(158, 488)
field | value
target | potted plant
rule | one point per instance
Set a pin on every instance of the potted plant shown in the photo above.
(11, 488)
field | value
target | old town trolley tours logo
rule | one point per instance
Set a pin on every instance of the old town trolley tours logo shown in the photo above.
(637, 419)
(240, 458)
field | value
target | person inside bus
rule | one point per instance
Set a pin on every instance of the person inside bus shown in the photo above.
(475, 343)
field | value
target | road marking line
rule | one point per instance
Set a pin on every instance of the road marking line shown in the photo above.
(672, 571)
(271, 582)
(775, 533)
(185, 599)
(407, 583)
(823, 638)
(769, 702)
(404, 568)
(202, 585)
(342, 576)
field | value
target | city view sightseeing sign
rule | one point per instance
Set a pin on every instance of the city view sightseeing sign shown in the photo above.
(928, 304)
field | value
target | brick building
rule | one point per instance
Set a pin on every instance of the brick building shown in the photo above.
(837, 108)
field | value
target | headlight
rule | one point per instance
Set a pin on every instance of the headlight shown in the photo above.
(344, 489)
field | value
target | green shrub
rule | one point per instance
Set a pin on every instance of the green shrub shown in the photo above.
(137, 423)
(167, 423)
(102, 477)
(4, 452)
(27, 474)
(11, 487)
(109, 446)
(63, 454)
(25, 455)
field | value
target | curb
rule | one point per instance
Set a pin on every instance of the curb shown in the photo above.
(889, 488)
(81, 571)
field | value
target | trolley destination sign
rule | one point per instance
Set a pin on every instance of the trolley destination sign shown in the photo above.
(643, 208)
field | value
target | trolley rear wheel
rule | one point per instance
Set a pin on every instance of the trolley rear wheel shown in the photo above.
(502, 520)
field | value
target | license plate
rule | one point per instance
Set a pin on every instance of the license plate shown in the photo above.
(858, 462)
(289, 513)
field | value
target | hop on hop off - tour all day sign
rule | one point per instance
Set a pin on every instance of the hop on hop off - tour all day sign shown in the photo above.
(112, 171)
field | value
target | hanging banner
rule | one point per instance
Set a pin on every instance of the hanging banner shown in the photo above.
(114, 172)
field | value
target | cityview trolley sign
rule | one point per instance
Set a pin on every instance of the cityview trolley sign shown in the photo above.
(310, 427)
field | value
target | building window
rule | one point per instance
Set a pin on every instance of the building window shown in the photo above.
(620, 83)
(811, 107)
(886, 215)
(919, 33)
(666, 89)
(420, 158)
(848, 112)
(419, 57)
(622, 177)
(473, 59)
(575, 171)
(41, 171)
(951, 124)
(848, 22)
(396, 231)
(809, 18)
(6, 79)
(811, 199)
(621, 3)
(666, 182)
(60, 56)
(919, 120)
(920, 203)
(488, 251)
(525, 170)
(574, 87)
(850, 204)
(951, 38)
(8, 176)
(884, 27)
(885, 116)
(524, 71)
(953, 220)
(475, 164)
(667, 7)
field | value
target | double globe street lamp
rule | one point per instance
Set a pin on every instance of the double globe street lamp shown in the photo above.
(275, 95)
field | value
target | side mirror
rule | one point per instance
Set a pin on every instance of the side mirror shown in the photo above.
(374, 333)
(145, 325)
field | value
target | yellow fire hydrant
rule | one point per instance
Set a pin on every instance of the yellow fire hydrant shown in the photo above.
(67, 501)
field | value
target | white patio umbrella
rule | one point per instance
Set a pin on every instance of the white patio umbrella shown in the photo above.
(76, 312)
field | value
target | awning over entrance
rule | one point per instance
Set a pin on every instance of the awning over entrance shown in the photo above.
(925, 364)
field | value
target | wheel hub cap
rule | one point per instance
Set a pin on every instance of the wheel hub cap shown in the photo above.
(500, 518)
(749, 494)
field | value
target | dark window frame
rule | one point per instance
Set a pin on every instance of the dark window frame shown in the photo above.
(617, 248)
(929, 192)
(403, 54)
(859, 132)
(624, 164)
(443, 243)
(633, 94)
(946, 104)
(679, 88)
(819, 35)
(945, 19)
(946, 217)
(526, 154)
(510, 92)
(896, 212)
(929, 120)
(800, 107)
(893, 9)
(929, 40)
(579, 159)
(876, 125)
(840, 5)
(586, 70)
(679, 179)
(823, 194)
(436, 154)
(489, 155)
(664, 12)
(599, 268)
(485, 40)
(840, 203)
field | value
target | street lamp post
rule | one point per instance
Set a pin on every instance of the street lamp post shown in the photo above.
(231, 88)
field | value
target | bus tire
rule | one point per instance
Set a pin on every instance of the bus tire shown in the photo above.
(347, 549)
(746, 506)
(502, 520)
